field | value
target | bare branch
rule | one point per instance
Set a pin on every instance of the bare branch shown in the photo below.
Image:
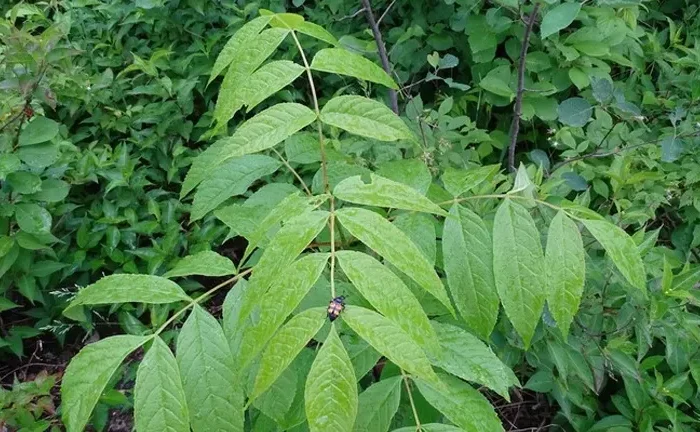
(382, 52)
(517, 109)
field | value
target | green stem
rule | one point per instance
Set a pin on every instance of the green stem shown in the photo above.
(410, 400)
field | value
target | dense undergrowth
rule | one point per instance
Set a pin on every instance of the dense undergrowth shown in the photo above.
(140, 138)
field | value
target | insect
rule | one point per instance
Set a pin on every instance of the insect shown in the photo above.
(335, 307)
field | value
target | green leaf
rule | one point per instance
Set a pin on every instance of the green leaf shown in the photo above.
(205, 263)
(159, 399)
(125, 288)
(518, 258)
(271, 308)
(24, 182)
(566, 270)
(602, 89)
(559, 18)
(621, 249)
(268, 80)
(467, 251)
(390, 296)
(392, 244)
(331, 389)
(52, 190)
(365, 117)
(461, 404)
(459, 181)
(390, 340)
(343, 62)
(575, 111)
(378, 405)
(33, 219)
(411, 172)
(285, 246)
(261, 132)
(686, 280)
(240, 41)
(496, 85)
(39, 155)
(9, 163)
(317, 32)
(232, 95)
(230, 179)
(382, 192)
(38, 131)
(87, 376)
(6, 304)
(214, 397)
(420, 228)
(467, 357)
(285, 345)
(431, 427)
(303, 148)
(671, 149)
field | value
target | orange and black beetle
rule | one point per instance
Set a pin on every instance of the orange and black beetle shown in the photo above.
(335, 307)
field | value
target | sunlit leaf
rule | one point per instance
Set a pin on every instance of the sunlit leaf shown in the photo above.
(238, 43)
(365, 117)
(205, 263)
(343, 62)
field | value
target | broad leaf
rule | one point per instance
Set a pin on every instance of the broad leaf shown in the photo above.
(390, 340)
(461, 404)
(467, 252)
(565, 263)
(467, 357)
(37, 131)
(420, 228)
(285, 346)
(266, 129)
(431, 427)
(237, 44)
(382, 192)
(32, 218)
(622, 249)
(87, 376)
(343, 62)
(518, 264)
(459, 181)
(378, 405)
(214, 397)
(126, 288)
(559, 18)
(230, 179)
(389, 295)
(274, 306)
(317, 32)
(575, 111)
(268, 80)
(331, 389)
(52, 190)
(159, 400)
(285, 246)
(365, 117)
(205, 263)
(232, 95)
(389, 242)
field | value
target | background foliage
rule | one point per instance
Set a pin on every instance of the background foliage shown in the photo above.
(121, 103)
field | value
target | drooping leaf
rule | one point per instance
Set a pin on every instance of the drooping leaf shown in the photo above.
(343, 62)
(87, 376)
(331, 390)
(285, 345)
(390, 340)
(230, 179)
(232, 95)
(126, 288)
(458, 182)
(467, 252)
(365, 117)
(389, 295)
(159, 400)
(266, 129)
(272, 308)
(268, 80)
(214, 397)
(465, 356)
(518, 263)
(559, 18)
(285, 246)
(575, 111)
(621, 249)
(239, 42)
(382, 192)
(317, 32)
(461, 404)
(205, 263)
(378, 405)
(566, 270)
(392, 244)
(38, 131)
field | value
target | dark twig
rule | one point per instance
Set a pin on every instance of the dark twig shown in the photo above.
(382, 52)
(517, 109)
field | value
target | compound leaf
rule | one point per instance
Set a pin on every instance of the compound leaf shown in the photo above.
(365, 117)
(205, 263)
(239, 42)
(343, 62)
